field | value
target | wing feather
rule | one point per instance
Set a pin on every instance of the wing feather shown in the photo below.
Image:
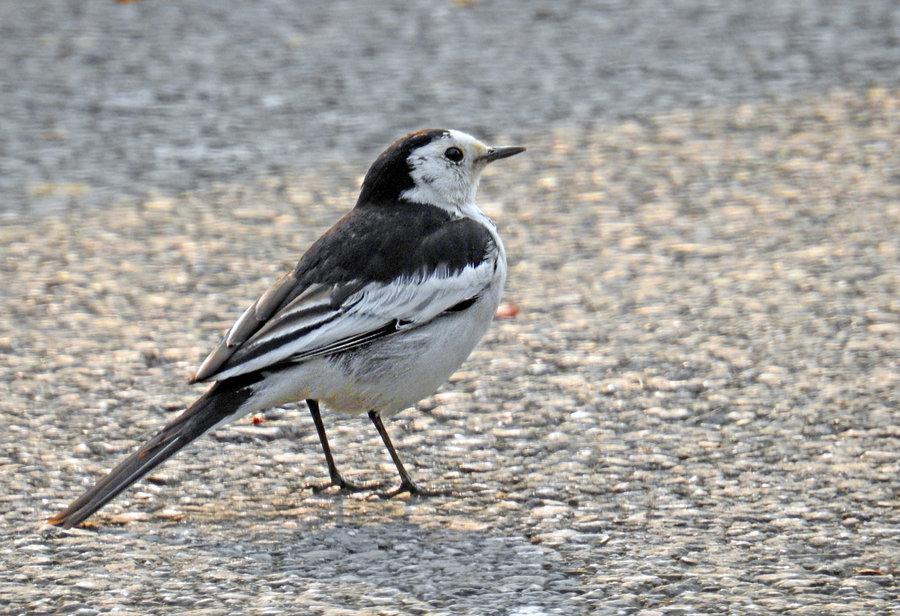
(374, 311)
(417, 267)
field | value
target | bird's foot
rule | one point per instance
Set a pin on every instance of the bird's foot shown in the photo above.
(413, 489)
(344, 486)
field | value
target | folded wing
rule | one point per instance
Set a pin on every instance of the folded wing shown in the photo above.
(376, 272)
(315, 324)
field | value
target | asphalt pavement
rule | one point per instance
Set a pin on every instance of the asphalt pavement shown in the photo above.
(102, 100)
(690, 406)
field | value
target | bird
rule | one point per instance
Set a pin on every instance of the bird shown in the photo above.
(375, 316)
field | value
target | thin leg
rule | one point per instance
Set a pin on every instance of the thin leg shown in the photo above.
(336, 479)
(406, 484)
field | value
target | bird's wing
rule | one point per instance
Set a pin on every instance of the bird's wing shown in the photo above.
(313, 324)
(296, 319)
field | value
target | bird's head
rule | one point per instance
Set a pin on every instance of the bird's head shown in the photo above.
(438, 167)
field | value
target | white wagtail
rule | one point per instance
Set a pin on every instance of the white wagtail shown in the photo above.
(379, 312)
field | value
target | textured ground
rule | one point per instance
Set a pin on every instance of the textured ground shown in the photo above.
(100, 99)
(694, 412)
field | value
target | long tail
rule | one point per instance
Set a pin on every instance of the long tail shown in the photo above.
(223, 402)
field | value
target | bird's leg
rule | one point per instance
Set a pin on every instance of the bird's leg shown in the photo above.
(406, 484)
(336, 479)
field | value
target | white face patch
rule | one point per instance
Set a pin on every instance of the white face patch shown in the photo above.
(446, 173)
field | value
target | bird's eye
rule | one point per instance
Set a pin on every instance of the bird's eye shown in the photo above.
(454, 154)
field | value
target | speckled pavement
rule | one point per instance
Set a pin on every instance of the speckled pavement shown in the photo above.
(694, 412)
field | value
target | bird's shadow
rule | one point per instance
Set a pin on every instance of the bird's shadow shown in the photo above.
(362, 563)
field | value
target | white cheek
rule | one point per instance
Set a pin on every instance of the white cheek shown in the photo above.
(439, 184)
(452, 185)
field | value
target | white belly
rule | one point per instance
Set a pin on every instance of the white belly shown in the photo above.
(392, 373)
(396, 372)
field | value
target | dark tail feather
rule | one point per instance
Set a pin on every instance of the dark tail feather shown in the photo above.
(222, 400)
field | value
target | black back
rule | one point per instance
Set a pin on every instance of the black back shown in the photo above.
(380, 244)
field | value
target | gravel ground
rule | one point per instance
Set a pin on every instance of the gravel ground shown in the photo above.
(695, 411)
(101, 99)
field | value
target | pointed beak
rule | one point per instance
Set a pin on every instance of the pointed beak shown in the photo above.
(501, 152)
